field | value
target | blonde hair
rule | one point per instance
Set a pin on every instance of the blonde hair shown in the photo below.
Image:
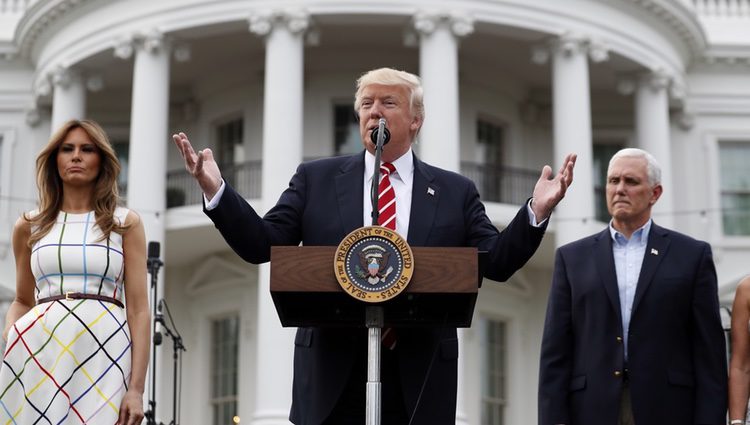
(393, 77)
(105, 196)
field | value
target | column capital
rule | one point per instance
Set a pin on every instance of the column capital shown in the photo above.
(124, 47)
(263, 21)
(569, 44)
(655, 80)
(43, 86)
(460, 24)
(33, 116)
(63, 76)
(151, 41)
(95, 82)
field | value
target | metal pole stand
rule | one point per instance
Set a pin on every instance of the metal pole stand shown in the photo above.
(374, 322)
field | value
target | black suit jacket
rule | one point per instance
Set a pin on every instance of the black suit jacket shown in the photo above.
(322, 204)
(676, 367)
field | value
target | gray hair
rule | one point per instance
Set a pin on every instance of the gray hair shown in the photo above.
(652, 167)
(393, 77)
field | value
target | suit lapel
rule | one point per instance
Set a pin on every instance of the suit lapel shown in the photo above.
(424, 200)
(605, 264)
(349, 187)
(658, 243)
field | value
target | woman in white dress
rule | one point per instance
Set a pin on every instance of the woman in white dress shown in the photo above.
(739, 364)
(74, 353)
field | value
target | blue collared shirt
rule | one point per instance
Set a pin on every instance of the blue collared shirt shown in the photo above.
(628, 254)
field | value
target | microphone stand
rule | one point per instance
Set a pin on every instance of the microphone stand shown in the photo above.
(153, 264)
(374, 314)
(177, 347)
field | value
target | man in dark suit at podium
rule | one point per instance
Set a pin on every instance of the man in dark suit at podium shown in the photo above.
(326, 200)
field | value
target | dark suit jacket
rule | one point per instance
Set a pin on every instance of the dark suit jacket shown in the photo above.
(322, 205)
(676, 354)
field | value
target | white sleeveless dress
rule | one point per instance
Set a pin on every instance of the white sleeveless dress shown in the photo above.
(68, 361)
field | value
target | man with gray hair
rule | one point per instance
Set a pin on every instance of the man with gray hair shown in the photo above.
(633, 333)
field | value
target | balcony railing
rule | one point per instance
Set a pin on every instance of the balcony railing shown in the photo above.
(244, 178)
(726, 8)
(505, 185)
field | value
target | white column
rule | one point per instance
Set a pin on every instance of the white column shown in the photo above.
(282, 152)
(147, 156)
(68, 97)
(149, 136)
(438, 67)
(572, 133)
(652, 135)
(441, 145)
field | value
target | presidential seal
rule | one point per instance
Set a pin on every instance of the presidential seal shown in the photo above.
(373, 264)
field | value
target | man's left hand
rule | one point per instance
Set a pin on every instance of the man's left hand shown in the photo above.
(549, 191)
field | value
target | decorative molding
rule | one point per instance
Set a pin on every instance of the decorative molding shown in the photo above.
(411, 38)
(685, 120)
(625, 85)
(682, 18)
(598, 51)
(569, 44)
(63, 76)
(182, 53)
(43, 86)
(39, 16)
(460, 24)
(151, 41)
(656, 80)
(33, 116)
(95, 82)
(124, 48)
(261, 22)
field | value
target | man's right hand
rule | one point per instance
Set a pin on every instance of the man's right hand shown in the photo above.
(200, 165)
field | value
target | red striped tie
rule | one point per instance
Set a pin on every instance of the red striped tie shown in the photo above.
(387, 198)
(387, 218)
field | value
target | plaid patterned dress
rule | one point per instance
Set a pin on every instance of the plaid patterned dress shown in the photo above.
(68, 361)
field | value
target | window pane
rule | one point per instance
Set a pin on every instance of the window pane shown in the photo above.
(602, 155)
(494, 373)
(489, 155)
(229, 149)
(735, 187)
(224, 369)
(346, 130)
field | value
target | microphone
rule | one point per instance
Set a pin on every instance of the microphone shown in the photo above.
(153, 249)
(376, 132)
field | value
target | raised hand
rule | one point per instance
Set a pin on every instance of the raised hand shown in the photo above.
(200, 165)
(549, 191)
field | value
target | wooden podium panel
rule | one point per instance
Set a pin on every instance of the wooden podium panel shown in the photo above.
(442, 291)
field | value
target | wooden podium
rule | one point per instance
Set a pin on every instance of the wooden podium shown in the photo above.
(442, 291)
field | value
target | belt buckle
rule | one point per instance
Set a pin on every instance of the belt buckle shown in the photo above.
(67, 295)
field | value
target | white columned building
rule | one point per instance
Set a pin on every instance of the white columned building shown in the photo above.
(68, 97)
(282, 152)
(438, 67)
(652, 135)
(571, 104)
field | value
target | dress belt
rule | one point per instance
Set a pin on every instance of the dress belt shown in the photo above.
(80, 296)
